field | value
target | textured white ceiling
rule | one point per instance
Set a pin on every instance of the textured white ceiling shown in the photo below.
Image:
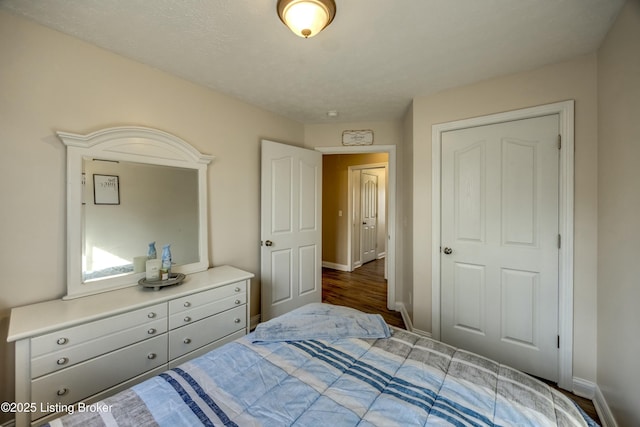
(369, 64)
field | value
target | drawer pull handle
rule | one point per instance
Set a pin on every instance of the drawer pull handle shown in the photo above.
(187, 304)
(62, 361)
(151, 331)
(238, 301)
(62, 341)
(237, 320)
(62, 391)
(238, 289)
(151, 315)
(151, 356)
(187, 341)
(187, 319)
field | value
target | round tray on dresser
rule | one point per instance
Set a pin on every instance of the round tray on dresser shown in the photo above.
(174, 279)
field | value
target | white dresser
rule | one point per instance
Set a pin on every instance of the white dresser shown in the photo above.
(85, 349)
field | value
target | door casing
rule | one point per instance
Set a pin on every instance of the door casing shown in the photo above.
(565, 110)
(391, 207)
(353, 261)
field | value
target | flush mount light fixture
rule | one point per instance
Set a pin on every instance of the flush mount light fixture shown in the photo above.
(306, 18)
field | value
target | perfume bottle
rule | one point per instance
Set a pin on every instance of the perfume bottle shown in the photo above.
(165, 269)
(151, 254)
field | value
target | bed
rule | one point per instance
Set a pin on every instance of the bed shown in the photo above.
(325, 365)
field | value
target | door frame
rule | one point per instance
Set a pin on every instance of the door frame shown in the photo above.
(565, 110)
(391, 209)
(351, 209)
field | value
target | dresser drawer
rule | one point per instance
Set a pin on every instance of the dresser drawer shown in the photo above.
(190, 302)
(94, 330)
(70, 356)
(190, 337)
(85, 379)
(202, 310)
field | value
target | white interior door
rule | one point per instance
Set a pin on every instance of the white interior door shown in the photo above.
(499, 236)
(369, 216)
(291, 228)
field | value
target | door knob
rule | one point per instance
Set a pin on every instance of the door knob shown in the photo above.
(268, 243)
(447, 251)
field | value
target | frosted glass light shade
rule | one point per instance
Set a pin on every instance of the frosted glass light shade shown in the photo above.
(306, 18)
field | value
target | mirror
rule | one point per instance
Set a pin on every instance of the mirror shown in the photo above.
(127, 187)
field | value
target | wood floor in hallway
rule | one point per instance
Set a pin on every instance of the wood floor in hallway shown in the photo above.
(364, 289)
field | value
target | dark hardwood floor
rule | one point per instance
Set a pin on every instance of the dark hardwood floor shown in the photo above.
(366, 290)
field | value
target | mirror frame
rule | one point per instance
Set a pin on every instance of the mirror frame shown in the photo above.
(132, 144)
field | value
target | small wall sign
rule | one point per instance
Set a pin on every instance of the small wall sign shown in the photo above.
(357, 137)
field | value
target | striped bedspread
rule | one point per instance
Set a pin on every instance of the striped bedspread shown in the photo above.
(404, 380)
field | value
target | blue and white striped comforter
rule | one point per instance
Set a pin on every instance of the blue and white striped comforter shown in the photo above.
(404, 380)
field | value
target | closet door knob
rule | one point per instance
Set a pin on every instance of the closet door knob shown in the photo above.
(447, 251)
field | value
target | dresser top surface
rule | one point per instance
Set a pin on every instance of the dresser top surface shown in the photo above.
(36, 319)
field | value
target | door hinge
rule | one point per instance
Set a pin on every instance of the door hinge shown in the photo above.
(559, 241)
(559, 142)
(558, 341)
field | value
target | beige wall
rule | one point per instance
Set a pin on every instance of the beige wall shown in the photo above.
(51, 82)
(618, 216)
(574, 79)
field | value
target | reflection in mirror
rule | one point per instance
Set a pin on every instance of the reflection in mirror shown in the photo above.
(126, 187)
(153, 203)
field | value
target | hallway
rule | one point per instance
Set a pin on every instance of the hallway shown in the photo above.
(364, 289)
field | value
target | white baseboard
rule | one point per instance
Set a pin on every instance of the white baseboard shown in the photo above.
(584, 388)
(405, 315)
(334, 266)
(590, 390)
(407, 320)
(603, 410)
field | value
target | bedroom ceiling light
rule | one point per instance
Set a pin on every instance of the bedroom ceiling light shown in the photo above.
(306, 18)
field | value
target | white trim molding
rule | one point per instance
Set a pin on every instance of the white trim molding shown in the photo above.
(565, 110)
(335, 266)
(603, 410)
(590, 390)
(584, 388)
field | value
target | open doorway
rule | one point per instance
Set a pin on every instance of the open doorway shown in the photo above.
(342, 217)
